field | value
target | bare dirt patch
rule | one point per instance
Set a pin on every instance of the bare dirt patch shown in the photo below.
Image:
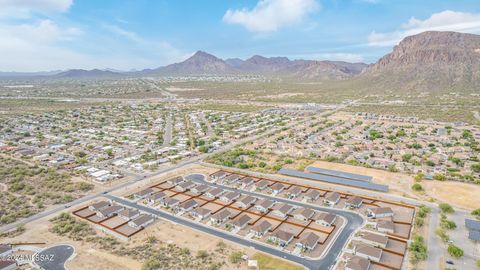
(459, 194)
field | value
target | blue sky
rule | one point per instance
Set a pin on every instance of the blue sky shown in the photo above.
(126, 34)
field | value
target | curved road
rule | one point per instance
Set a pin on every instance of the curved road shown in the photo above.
(354, 221)
(54, 258)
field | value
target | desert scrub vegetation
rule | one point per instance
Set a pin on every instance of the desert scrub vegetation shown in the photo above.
(155, 254)
(418, 249)
(230, 107)
(30, 188)
(66, 225)
(259, 161)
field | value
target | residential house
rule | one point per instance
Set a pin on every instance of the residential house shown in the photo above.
(277, 188)
(246, 202)
(284, 210)
(184, 186)
(221, 216)
(309, 241)
(188, 205)
(231, 179)
(229, 197)
(246, 182)
(357, 263)
(326, 219)
(385, 226)
(215, 193)
(143, 193)
(200, 189)
(241, 222)
(331, 198)
(99, 206)
(109, 211)
(142, 221)
(5, 250)
(218, 175)
(129, 214)
(265, 205)
(304, 214)
(170, 202)
(294, 192)
(261, 185)
(157, 198)
(312, 195)
(201, 213)
(176, 180)
(375, 240)
(281, 238)
(354, 202)
(368, 252)
(261, 228)
(380, 212)
(6, 264)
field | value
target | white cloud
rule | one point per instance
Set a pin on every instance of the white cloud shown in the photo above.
(32, 46)
(270, 15)
(24, 8)
(443, 21)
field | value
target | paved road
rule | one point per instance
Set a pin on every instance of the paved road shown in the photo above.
(167, 135)
(435, 246)
(55, 257)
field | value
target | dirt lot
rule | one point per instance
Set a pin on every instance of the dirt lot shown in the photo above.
(464, 195)
(459, 194)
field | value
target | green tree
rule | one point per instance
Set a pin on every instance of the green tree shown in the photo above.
(151, 264)
(417, 187)
(442, 234)
(476, 212)
(446, 208)
(202, 254)
(439, 177)
(455, 251)
(418, 249)
(235, 257)
(407, 157)
(419, 177)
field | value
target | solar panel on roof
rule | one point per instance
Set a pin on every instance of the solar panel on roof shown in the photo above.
(472, 224)
(334, 180)
(351, 176)
(474, 235)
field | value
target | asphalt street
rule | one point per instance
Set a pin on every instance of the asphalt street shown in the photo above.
(54, 258)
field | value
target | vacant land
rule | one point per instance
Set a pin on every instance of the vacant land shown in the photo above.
(31, 189)
(230, 107)
(436, 112)
(461, 195)
(266, 262)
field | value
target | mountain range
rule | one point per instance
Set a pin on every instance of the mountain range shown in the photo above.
(202, 63)
(446, 60)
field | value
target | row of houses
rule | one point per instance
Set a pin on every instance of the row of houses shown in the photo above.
(135, 218)
(227, 217)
